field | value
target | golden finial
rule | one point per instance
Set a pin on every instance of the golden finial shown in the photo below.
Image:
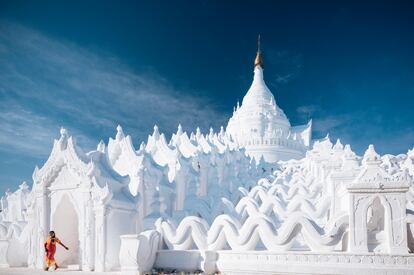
(258, 61)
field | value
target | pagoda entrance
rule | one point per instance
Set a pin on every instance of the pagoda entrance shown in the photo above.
(66, 226)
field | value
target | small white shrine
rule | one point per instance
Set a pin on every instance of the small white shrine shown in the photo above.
(377, 203)
(82, 198)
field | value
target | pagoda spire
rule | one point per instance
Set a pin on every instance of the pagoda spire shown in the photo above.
(258, 61)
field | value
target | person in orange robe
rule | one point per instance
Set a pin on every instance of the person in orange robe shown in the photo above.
(50, 248)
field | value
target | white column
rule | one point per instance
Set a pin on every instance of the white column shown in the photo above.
(100, 237)
(180, 191)
(357, 223)
(87, 234)
(203, 177)
(397, 223)
(43, 224)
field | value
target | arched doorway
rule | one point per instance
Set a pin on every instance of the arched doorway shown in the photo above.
(376, 233)
(66, 226)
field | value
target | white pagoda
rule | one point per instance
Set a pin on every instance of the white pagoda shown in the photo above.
(262, 128)
(197, 203)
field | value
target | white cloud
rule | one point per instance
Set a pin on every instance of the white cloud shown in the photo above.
(307, 111)
(328, 123)
(23, 130)
(46, 83)
(288, 64)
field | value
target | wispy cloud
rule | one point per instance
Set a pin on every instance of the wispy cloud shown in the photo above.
(25, 131)
(307, 111)
(45, 83)
(323, 122)
(329, 123)
(287, 64)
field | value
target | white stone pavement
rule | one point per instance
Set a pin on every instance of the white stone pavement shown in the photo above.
(24, 271)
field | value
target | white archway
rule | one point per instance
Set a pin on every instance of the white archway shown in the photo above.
(66, 226)
(377, 239)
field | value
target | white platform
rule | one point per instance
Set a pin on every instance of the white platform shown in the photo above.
(266, 262)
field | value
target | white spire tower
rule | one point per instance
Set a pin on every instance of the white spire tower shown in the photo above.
(262, 127)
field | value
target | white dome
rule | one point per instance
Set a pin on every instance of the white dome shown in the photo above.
(258, 93)
(259, 99)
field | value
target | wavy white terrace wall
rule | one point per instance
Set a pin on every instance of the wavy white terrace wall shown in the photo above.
(370, 192)
(311, 204)
(298, 208)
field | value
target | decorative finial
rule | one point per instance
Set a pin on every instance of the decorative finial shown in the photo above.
(371, 156)
(348, 153)
(101, 147)
(258, 61)
(338, 145)
(156, 133)
(179, 130)
(142, 147)
(63, 132)
(23, 186)
(63, 140)
(119, 133)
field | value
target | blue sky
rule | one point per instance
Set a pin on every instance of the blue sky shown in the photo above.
(90, 65)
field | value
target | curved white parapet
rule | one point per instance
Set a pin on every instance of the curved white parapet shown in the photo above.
(138, 252)
(271, 204)
(191, 231)
(259, 200)
(225, 230)
(246, 236)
